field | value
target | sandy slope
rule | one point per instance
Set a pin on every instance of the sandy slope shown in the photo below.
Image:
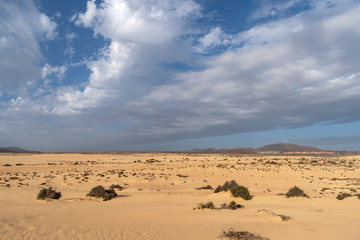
(160, 196)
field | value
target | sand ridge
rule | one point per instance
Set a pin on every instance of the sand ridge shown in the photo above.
(159, 197)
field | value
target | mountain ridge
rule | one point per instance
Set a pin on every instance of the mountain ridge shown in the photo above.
(277, 147)
(287, 147)
(12, 149)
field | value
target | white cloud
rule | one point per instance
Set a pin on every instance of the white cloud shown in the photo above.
(290, 72)
(47, 26)
(132, 26)
(281, 77)
(22, 28)
(87, 18)
(216, 37)
(138, 21)
(69, 51)
(57, 71)
(272, 8)
(71, 36)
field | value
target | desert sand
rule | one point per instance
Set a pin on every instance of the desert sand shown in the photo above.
(160, 197)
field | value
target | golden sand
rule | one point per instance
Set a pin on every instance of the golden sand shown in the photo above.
(159, 197)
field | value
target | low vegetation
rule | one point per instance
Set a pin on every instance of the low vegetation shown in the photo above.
(243, 235)
(226, 186)
(295, 192)
(204, 188)
(240, 191)
(101, 192)
(209, 205)
(48, 193)
(342, 196)
(235, 189)
(233, 205)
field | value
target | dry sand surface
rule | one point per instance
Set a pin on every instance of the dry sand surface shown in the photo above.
(159, 200)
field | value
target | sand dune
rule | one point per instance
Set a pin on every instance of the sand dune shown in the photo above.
(159, 198)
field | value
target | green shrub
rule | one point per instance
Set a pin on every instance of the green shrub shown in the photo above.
(48, 193)
(295, 192)
(353, 190)
(205, 187)
(240, 191)
(226, 186)
(116, 186)
(235, 189)
(233, 205)
(241, 235)
(100, 192)
(341, 196)
(209, 205)
(218, 189)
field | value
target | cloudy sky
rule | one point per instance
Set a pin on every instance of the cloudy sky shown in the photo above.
(179, 74)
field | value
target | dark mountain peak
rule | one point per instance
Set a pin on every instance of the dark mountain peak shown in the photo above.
(287, 147)
(12, 149)
(224, 150)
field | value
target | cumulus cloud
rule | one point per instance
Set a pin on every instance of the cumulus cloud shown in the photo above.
(138, 21)
(288, 72)
(70, 50)
(22, 28)
(71, 36)
(214, 38)
(274, 8)
(57, 71)
(142, 36)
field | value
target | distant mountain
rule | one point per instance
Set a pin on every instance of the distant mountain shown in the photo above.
(279, 147)
(14, 150)
(223, 150)
(209, 150)
(287, 147)
(243, 150)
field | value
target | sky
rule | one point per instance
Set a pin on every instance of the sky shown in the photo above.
(169, 75)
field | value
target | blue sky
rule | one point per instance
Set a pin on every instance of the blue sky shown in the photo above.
(179, 74)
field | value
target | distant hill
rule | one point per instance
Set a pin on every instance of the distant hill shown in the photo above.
(278, 147)
(14, 150)
(209, 150)
(224, 150)
(287, 147)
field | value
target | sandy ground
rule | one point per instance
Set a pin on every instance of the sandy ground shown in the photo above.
(159, 200)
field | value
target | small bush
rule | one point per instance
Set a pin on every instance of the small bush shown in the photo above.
(241, 235)
(218, 189)
(235, 189)
(295, 192)
(206, 187)
(226, 186)
(116, 186)
(48, 193)
(209, 205)
(341, 196)
(233, 205)
(353, 190)
(100, 192)
(240, 191)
